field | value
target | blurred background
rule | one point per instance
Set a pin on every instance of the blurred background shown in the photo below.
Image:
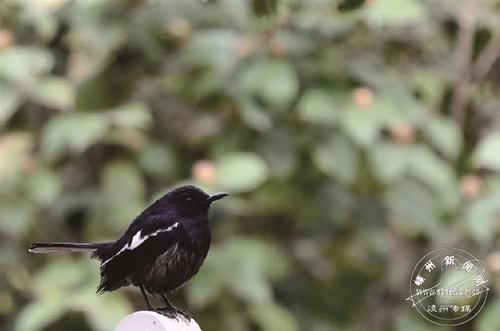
(355, 137)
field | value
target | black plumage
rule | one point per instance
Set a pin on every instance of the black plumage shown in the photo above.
(161, 250)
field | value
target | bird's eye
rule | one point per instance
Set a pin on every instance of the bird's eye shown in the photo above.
(189, 199)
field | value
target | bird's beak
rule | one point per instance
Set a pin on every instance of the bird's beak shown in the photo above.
(217, 196)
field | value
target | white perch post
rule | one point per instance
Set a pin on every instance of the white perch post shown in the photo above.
(151, 321)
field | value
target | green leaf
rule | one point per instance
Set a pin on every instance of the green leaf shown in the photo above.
(39, 16)
(255, 117)
(445, 135)
(410, 320)
(272, 80)
(233, 319)
(16, 217)
(429, 168)
(489, 319)
(78, 274)
(103, 312)
(481, 218)
(246, 280)
(487, 153)
(131, 115)
(455, 278)
(24, 65)
(431, 84)
(71, 133)
(395, 105)
(54, 92)
(158, 160)
(44, 187)
(123, 192)
(338, 158)
(251, 288)
(241, 172)
(272, 317)
(390, 161)
(395, 12)
(214, 48)
(252, 256)
(39, 314)
(412, 209)
(437, 174)
(74, 291)
(206, 287)
(362, 126)
(10, 102)
(318, 106)
(279, 151)
(246, 266)
(15, 149)
(94, 39)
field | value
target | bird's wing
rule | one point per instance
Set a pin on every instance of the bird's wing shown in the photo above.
(132, 253)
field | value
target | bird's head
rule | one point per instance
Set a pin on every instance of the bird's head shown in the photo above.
(190, 200)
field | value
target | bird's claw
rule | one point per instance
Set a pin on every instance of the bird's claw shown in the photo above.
(173, 313)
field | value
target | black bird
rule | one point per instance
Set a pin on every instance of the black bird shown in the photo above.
(161, 250)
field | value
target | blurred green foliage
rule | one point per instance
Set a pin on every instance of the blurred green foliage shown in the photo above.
(355, 136)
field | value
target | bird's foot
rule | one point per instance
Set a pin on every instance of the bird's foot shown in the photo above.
(173, 313)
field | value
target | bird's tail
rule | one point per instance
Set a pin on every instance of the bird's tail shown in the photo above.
(50, 247)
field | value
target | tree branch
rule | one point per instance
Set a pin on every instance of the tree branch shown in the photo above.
(463, 58)
(486, 59)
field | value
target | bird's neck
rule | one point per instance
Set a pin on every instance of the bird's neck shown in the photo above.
(196, 223)
(198, 230)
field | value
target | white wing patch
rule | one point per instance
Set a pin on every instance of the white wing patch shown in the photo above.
(138, 239)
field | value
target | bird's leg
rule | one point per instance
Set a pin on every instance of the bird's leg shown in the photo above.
(171, 311)
(167, 302)
(145, 295)
(168, 311)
